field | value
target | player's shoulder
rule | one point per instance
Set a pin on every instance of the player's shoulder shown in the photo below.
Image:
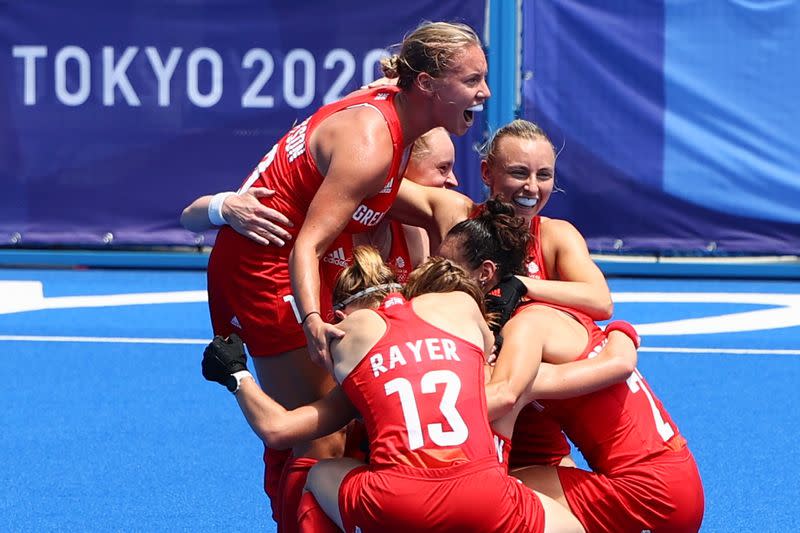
(536, 313)
(357, 130)
(445, 296)
(549, 224)
(359, 321)
(361, 329)
(559, 232)
(455, 303)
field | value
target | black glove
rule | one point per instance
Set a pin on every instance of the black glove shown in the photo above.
(222, 358)
(503, 299)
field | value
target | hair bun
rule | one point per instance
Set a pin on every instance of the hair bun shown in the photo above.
(390, 66)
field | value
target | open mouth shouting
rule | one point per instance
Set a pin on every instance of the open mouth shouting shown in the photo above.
(469, 113)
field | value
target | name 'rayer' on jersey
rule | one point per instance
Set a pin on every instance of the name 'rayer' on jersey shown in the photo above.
(420, 391)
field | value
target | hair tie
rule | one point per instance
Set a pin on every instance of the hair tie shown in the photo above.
(360, 294)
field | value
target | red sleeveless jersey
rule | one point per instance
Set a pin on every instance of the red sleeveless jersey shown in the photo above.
(618, 426)
(340, 255)
(399, 257)
(248, 284)
(420, 391)
(535, 264)
(290, 170)
(502, 445)
(538, 439)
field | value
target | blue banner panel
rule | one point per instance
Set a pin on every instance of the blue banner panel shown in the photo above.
(115, 115)
(676, 121)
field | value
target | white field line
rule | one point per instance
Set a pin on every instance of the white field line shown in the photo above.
(116, 340)
(202, 342)
(722, 351)
(784, 310)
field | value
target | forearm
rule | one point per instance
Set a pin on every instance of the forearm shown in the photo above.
(304, 273)
(434, 210)
(195, 216)
(268, 419)
(282, 429)
(499, 400)
(612, 365)
(585, 297)
(518, 361)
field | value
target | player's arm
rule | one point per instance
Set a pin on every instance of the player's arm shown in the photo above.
(433, 209)
(615, 363)
(517, 364)
(581, 284)
(419, 248)
(244, 212)
(464, 311)
(282, 429)
(353, 150)
(225, 362)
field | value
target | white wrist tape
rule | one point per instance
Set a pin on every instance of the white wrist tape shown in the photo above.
(239, 376)
(215, 208)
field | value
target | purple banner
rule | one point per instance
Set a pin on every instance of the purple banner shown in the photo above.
(677, 122)
(115, 115)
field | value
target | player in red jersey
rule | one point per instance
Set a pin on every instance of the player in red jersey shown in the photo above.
(644, 476)
(414, 371)
(519, 163)
(431, 165)
(402, 247)
(338, 171)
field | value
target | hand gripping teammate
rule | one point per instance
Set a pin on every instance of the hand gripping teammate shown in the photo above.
(401, 246)
(430, 165)
(413, 369)
(644, 476)
(337, 171)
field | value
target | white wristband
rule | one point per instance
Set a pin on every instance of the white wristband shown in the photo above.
(239, 376)
(215, 208)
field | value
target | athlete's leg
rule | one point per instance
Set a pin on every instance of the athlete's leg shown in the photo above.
(544, 480)
(557, 518)
(324, 482)
(293, 380)
(274, 462)
(291, 487)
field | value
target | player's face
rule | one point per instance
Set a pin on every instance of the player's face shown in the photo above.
(523, 171)
(434, 168)
(461, 90)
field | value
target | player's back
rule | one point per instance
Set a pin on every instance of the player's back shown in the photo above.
(620, 425)
(420, 392)
(617, 426)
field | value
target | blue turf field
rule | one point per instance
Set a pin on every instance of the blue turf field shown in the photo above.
(108, 425)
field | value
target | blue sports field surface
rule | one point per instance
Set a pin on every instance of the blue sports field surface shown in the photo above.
(107, 425)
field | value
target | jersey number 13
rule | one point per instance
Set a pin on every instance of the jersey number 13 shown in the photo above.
(428, 384)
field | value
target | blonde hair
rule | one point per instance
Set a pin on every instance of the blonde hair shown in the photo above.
(519, 128)
(422, 146)
(367, 271)
(371, 276)
(438, 274)
(430, 48)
